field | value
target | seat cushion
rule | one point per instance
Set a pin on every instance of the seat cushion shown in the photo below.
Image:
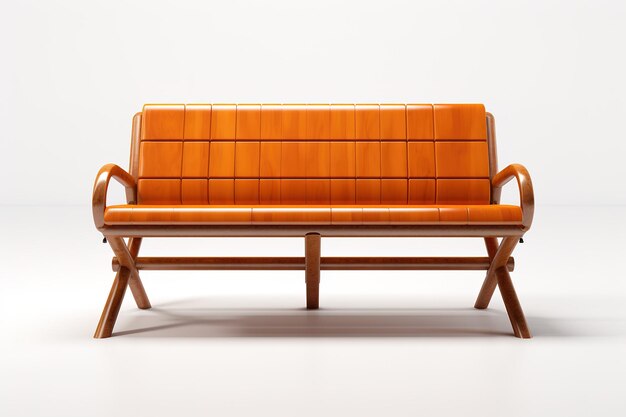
(300, 214)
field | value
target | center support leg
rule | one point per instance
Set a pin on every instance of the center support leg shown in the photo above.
(312, 252)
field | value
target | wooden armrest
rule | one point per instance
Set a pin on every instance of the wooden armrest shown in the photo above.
(527, 195)
(99, 198)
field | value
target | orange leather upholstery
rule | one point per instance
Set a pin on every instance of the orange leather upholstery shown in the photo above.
(319, 164)
(313, 154)
(311, 214)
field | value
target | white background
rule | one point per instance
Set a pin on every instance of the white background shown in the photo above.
(74, 72)
(240, 343)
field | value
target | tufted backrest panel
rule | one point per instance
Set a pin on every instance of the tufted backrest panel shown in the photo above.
(313, 154)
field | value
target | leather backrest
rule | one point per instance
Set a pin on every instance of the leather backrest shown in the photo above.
(313, 154)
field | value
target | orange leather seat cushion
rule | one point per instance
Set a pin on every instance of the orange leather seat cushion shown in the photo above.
(312, 214)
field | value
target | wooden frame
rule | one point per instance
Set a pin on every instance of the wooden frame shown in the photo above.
(498, 264)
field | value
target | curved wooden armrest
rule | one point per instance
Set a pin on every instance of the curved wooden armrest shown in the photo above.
(526, 193)
(99, 198)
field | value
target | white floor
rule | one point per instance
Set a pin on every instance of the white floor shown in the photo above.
(384, 343)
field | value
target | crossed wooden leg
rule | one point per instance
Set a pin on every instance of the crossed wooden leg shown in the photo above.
(489, 285)
(312, 251)
(135, 284)
(498, 275)
(127, 275)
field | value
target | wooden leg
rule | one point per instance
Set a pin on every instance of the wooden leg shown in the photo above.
(312, 250)
(135, 284)
(513, 307)
(509, 296)
(489, 284)
(127, 275)
(113, 304)
(127, 256)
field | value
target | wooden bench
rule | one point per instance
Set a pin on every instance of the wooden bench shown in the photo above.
(312, 171)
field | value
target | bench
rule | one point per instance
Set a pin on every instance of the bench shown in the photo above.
(313, 171)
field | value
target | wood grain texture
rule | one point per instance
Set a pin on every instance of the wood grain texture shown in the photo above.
(112, 305)
(271, 121)
(393, 160)
(299, 229)
(127, 255)
(195, 161)
(317, 191)
(490, 282)
(312, 252)
(338, 263)
(223, 121)
(270, 159)
(294, 121)
(222, 160)
(159, 191)
(195, 191)
(367, 191)
(197, 122)
(122, 279)
(135, 142)
(246, 192)
(221, 191)
(313, 195)
(163, 121)
(367, 121)
(269, 191)
(509, 296)
(135, 284)
(342, 122)
(421, 191)
(368, 159)
(247, 159)
(342, 159)
(318, 121)
(392, 122)
(293, 160)
(393, 191)
(463, 191)
(462, 160)
(460, 122)
(525, 187)
(493, 152)
(421, 159)
(343, 191)
(317, 156)
(248, 122)
(419, 122)
(161, 159)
